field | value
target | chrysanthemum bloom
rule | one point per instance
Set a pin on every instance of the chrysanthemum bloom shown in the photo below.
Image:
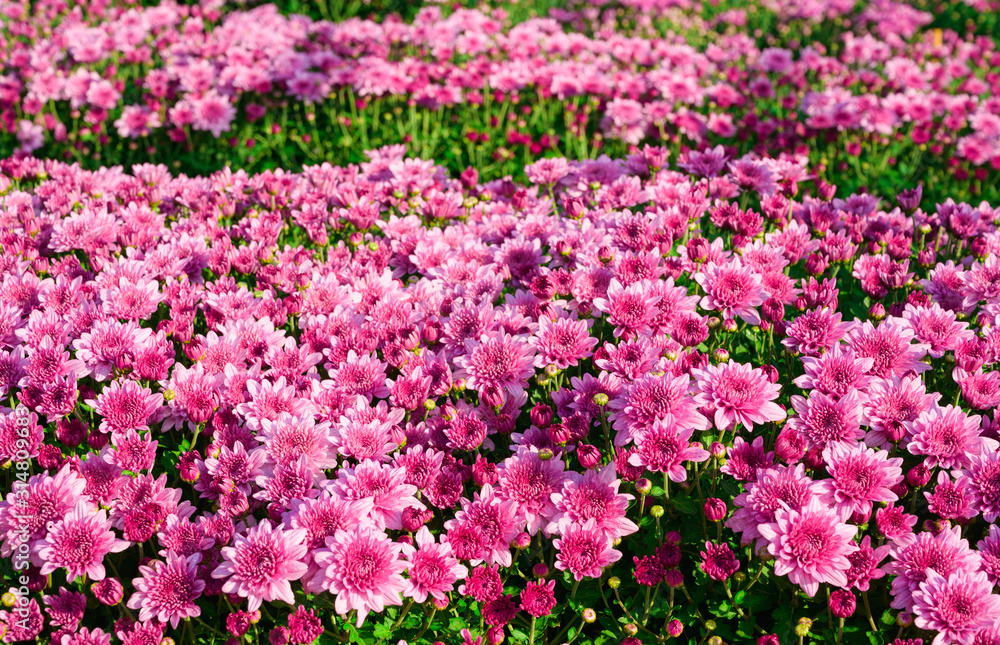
(890, 345)
(956, 607)
(630, 309)
(989, 551)
(168, 592)
(107, 345)
(65, 609)
(483, 584)
(865, 564)
(913, 556)
(810, 545)
(78, 543)
(497, 523)
(983, 479)
(527, 480)
(130, 300)
(814, 331)
(892, 405)
(500, 610)
(894, 523)
(289, 437)
(28, 510)
(433, 568)
(664, 448)
(981, 390)
(564, 341)
(497, 361)
(745, 459)
(304, 626)
(836, 372)
(951, 500)
(547, 171)
(262, 563)
(654, 397)
(363, 568)
(86, 637)
(775, 488)
(858, 477)
(732, 289)
(937, 327)
(948, 436)
(584, 551)
(594, 496)
(538, 598)
(385, 485)
(823, 420)
(718, 561)
(738, 394)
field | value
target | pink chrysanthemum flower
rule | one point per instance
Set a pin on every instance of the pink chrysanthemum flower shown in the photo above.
(131, 300)
(262, 564)
(989, 552)
(836, 372)
(287, 438)
(892, 405)
(948, 436)
(630, 309)
(497, 523)
(983, 478)
(937, 327)
(433, 568)
(744, 460)
(956, 607)
(125, 405)
(78, 544)
(718, 561)
(564, 341)
(654, 397)
(363, 568)
(914, 555)
(65, 609)
(815, 331)
(890, 345)
(496, 363)
(107, 345)
(211, 112)
(981, 390)
(584, 551)
(822, 420)
(594, 496)
(385, 486)
(168, 592)
(738, 394)
(775, 487)
(859, 476)
(732, 289)
(664, 448)
(530, 482)
(810, 545)
(951, 500)
(539, 598)
(865, 564)
(86, 636)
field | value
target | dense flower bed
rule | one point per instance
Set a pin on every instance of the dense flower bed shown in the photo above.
(635, 400)
(881, 104)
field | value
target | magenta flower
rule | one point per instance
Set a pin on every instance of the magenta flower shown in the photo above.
(732, 289)
(913, 556)
(814, 331)
(630, 309)
(78, 543)
(433, 568)
(262, 564)
(890, 345)
(125, 405)
(530, 482)
(859, 476)
(594, 496)
(823, 420)
(538, 598)
(168, 591)
(775, 488)
(363, 568)
(653, 397)
(956, 607)
(584, 551)
(496, 363)
(385, 486)
(810, 545)
(948, 436)
(664, 448)
(563, 342)
(718, 561)
(738, 394)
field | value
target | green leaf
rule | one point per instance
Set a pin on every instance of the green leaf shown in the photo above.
(382, 631)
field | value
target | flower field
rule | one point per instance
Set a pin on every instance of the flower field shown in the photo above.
(542, 323)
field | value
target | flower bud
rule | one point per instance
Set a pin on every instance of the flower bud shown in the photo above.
(600, 399)
(643, 486)
(540, 570)
(589, 456)
(630, 629)
(541, 415)
(715, 509)
(614, 582)
(710, 625)
(843, 603)
(589, 615)
(790, 446)
(715, 640)
(675, 628)
(8, 599)
(877, 311)
(720, 355)
(545, 454)
(522, 540)
(718, 450)
(441, 603)
(656, 511)
(673, 537)
(674, 578)
(605, 254)
(904, 619)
